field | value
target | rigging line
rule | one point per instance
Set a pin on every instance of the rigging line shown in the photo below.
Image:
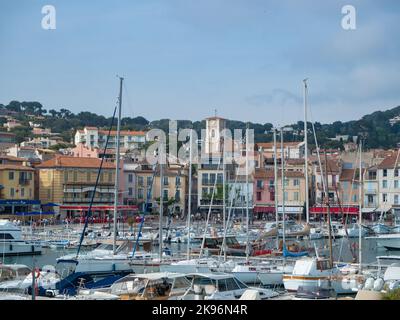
(97, 182)
(209, 212)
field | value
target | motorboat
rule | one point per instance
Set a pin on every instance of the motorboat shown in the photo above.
(318, 272)
(12, 276)
(220, 286)
(388, 241)
(11, 242)
(151, 286)
(353, 231)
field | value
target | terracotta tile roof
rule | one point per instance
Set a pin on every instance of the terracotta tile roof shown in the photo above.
(263, 174)
(12, 158)
(333, 166)
(75, 162)
(390, 162)
(270, 145)
(15, 167)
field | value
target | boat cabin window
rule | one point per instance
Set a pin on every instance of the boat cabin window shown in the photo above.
(6, 236)
(211, 243)
(6, 274)
(323, 265)
(204, 281)
(231, 241)
(240, 284)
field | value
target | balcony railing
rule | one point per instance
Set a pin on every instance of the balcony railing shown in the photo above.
(207, 202)
(23, 181)
(87, 200)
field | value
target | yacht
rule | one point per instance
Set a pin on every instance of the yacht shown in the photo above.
(11, 242)
(318, 272)
(220, 286)
(388, 241)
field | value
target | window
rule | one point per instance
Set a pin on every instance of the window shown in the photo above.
(384, 184)
(130, 191)
(220, 178)
(204, 178)
(213, 133)
(140, 181)
(296, 196)
(204, 191)
(296, 182)
(396, 199)
(101, 177)
(22, 192)
(396, 172)
(333, 180)
(149, 181)
(130, 178)
(396, 184)
(75, 176)
(29, 175)
(272, 196)
(259, 198)
(165, 181)
(286, 182)
(384, 197)
(178, 195)
(260, 184)
(370, 199)
(140, 193)
(110, 177)
(12, 192)
(285, 196)
(165, 194)
(178, 181)
(271, 183)
(30, 193)
(11, 175)
(354, 198)
(372, 175)
(88, 176)
(385, 172)
(212, 178)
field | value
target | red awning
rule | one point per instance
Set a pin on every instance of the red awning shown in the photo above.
(101, 208)
(263, 209)
(335, 210)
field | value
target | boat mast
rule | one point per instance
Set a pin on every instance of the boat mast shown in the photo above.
(190, 194)
(247, 194)
(283, 190)
(160, 239)
(328, 209)
(276, 189)
(306, 150)
(117, 166)
(360, 210)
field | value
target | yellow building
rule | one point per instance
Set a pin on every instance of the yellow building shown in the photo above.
(70, 181)
(294, 196)
(17, 187)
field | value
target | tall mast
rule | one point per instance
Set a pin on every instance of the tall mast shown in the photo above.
(247, 194)
(223, 187)
(161, 242)
(306, 150)
(190, 194)
(360, 208)
(283, 190)
(329, 210)
(276, 189)
(117, 166)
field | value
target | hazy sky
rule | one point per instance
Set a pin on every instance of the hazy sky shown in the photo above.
(184, 58)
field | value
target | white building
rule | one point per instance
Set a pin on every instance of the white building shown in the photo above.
(389, 184)
(96, 138)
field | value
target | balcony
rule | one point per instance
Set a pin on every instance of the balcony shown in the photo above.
(104, 199)
(207, 202)
(23, 182)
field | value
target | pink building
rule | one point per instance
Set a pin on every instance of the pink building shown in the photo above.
(264, 192)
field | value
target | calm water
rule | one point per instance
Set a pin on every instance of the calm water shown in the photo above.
(370, 252)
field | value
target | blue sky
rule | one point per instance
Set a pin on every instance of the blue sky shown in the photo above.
(184, 58)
